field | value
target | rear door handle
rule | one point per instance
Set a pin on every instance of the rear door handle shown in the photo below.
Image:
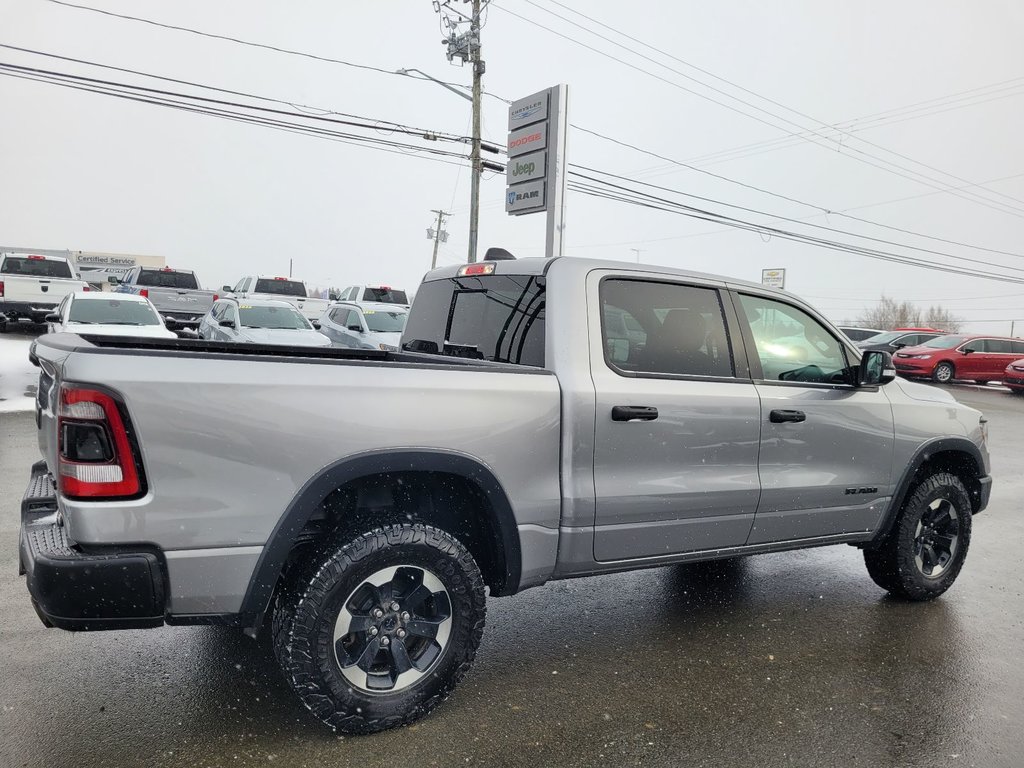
(781, 417)
(634, 413)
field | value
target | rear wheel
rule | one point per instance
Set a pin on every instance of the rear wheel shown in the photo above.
(923, 554)
(376, 632)
(943, 373)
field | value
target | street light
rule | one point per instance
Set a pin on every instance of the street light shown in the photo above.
(474, 155)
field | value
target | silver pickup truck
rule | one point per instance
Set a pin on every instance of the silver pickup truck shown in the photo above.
(545, 419)
(174, 292)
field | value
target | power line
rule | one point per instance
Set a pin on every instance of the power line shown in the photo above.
(743, 89)
(633, 197)
(394, 147)
(795, 221)
(791, 199)
(887, 166)
(239, 41)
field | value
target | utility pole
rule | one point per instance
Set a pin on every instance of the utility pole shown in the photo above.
(465, 46)
(637, 251)
(474, 157)
(438, 233)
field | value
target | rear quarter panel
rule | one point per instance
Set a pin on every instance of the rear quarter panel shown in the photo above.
(228, 442)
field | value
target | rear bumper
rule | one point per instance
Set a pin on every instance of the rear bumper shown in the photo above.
(75, 590)
(12, 311)
(184, 319)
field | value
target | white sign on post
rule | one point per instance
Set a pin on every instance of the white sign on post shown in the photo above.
(535, 173)
(773, 278)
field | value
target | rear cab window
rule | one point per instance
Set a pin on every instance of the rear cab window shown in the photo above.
(36, 266)
(167, 278)
(486, 317)
(383, 295)
(280, 287)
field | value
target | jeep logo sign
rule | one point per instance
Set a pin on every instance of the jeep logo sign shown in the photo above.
(524, 198)
(525, 168)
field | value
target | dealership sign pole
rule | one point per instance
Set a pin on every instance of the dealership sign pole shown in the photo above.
(536, 170)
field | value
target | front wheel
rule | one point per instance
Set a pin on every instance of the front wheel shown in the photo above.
(943, 373)
(923, 554)
(377, 632)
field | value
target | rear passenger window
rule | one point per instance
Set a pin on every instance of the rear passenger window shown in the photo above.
(792, 345)
(998, 346)
(1017, 347)
(664, 328)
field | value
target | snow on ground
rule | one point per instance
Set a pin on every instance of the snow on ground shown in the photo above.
(17, 375)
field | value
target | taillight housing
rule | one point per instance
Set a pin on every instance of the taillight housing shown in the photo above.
(86, 288)
(1, 289)
(216, 297)
(144, 293)
(95, 457)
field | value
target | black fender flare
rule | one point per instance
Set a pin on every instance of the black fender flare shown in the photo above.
(328, 479)
(921, 455)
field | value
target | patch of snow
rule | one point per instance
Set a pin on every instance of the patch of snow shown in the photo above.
(18, 377)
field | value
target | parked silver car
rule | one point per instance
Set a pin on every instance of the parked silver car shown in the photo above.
(260, 321)
(371, 325)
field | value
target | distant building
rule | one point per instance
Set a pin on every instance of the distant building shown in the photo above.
(96, 267)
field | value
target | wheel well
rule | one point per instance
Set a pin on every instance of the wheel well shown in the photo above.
(448, 501)
(958, 463)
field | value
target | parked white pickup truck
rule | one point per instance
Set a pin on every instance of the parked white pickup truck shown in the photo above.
(282, 289)
(32, 285)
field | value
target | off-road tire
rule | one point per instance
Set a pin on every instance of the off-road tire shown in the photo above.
(944, 373)
(891, 564)
(308, 604)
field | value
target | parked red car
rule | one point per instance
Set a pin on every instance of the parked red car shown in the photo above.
(956, 356)
(1013, 377)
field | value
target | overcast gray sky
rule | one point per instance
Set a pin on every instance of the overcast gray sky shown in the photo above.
(89, 172)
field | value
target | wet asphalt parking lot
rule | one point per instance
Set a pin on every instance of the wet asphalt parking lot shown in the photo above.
(787, 659)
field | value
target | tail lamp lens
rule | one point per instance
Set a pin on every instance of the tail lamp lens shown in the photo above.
(96, 458)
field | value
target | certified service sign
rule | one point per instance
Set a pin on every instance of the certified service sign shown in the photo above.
(773, 278)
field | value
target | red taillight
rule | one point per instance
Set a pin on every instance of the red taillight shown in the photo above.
(1, 289)
(95, 457)
(215, 297)
(144, 293)
(167, 269)
(33, 257)
(280, 278)
(86, 288)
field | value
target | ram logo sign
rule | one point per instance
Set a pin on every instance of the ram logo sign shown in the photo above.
(523, 198)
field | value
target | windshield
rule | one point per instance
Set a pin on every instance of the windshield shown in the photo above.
(168, 278)
(494, 317)
(385, 322)
(884, 338)
(281, 287)
(945, 342)
(385, 295)
(36, 267)
(112, 312)
(272, 317)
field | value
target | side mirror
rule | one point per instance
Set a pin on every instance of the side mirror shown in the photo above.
(171, 323)
(53, 317)
(875, 369)
(227, 323)
(968, 350)
(226, 289)
(356, 328)
(315, 324)
(113, 280)
(898, 344)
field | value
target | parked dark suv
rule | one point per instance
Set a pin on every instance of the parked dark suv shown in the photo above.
(955, 356)
(890, 341)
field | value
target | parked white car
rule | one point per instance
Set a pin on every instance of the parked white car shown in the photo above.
(31, 286)
(376, 326)
(108, 314)
(260, 321)
(279, 289)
